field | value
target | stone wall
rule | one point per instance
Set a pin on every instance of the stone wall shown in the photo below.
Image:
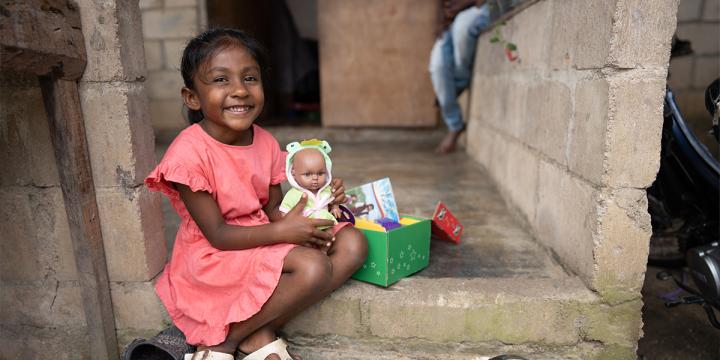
(41, 310)
(571, 132)
(167, 26)
(699, 22)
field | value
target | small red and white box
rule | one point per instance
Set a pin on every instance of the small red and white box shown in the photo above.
(445, 226)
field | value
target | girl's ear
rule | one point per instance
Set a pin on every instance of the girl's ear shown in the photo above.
(190, 98)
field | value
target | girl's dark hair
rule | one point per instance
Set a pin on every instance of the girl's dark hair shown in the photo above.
(202, 47)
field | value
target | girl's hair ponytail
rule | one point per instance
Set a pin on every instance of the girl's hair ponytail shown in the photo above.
(200, 48)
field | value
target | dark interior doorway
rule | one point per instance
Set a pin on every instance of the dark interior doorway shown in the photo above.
(287, 28)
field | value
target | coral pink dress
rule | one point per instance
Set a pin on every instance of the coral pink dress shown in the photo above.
(205, 289)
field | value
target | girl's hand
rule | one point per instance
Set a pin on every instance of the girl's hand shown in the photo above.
(338, 191)
(295, 228)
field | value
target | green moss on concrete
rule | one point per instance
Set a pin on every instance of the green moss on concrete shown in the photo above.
(617, 352)
(614, 325)
(613, 291)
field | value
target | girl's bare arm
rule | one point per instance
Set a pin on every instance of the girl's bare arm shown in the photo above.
(292, 228)
(272, 208)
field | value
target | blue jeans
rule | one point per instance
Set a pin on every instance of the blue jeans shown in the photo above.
(451, 61)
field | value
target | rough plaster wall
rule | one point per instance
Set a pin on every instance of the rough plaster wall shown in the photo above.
(41, 310)
(571, 131)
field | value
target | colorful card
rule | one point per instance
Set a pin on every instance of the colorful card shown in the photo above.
(445, 226)
(374, 201)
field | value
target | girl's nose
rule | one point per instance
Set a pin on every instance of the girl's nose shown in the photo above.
(240, 90)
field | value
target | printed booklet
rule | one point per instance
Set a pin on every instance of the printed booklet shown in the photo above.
(373, 201)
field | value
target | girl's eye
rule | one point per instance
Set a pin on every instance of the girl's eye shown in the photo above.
(250, 79)
(220, 79)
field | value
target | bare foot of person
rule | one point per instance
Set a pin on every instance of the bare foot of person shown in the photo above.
(449, 142)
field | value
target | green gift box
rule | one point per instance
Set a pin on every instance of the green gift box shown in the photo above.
(395, 254)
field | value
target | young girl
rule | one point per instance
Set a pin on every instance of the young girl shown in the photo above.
(239, 269)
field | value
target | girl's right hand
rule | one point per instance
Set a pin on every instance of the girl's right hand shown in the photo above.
(295, 228)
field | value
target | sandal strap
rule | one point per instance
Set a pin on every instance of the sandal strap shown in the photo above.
(209, 355)
(278, 347)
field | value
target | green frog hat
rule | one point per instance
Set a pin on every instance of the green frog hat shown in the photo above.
(292, 149)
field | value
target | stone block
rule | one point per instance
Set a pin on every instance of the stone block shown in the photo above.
(689, 10)
(26, 152)
(586, 147)
(36, 238)
(519, 181)
(180, 3)
(131, 221)
(581, 33)
(42, 303)
(358, 92)
(614, 325)
(154, 58)
(164, 85)
(435, 323)
(531, 29)
(566, 218)
(643, 32)
(116, 118)
(680, 73)
(28, 342)
(634, 129)
(547, 130)
(703, 37)
(551, 324)
(334, 315)
(136, 306)
(167, 114)
(711, 10)
(707, 69)
(150, 4)
(173, 53)
(623, 247)
(480, 141)
(175, 23)
(112, 40)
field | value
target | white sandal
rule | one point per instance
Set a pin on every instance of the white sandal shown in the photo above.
(209, 355)
(277, 347)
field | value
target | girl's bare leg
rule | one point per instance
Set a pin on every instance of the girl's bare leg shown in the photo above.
(347, 254)
(306, 272)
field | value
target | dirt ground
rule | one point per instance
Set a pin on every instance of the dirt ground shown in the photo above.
(681, 332)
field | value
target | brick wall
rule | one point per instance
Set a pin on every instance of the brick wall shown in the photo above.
(167, 26)
(41, 309)
(571, 132)
(699, 22)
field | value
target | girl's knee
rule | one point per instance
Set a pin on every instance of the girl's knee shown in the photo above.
(315, 268)
(353, 244)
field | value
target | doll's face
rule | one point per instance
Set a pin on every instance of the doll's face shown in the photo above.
(309, 169)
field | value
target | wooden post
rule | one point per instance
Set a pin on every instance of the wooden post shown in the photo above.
(62, 104)
(44, 37)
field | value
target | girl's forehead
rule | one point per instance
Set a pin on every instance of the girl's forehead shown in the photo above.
(230, 56)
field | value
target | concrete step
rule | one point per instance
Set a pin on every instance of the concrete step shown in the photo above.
(496, 292)
(338, 347)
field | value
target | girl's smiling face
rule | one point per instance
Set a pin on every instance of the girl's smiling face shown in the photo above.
(229, 91)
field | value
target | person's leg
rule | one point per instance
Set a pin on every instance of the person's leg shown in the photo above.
(442, 75)
(306, 271)
(347, 254)
(465, 30)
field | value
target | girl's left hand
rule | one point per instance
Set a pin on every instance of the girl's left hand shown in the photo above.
(338, 191)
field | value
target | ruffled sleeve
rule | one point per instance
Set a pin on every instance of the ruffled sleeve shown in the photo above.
(277, 171)
(166, 173)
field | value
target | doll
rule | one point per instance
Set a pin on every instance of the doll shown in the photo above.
(308, 168)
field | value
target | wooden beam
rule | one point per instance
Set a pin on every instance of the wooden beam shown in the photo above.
(42, 37)
(62, 104)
